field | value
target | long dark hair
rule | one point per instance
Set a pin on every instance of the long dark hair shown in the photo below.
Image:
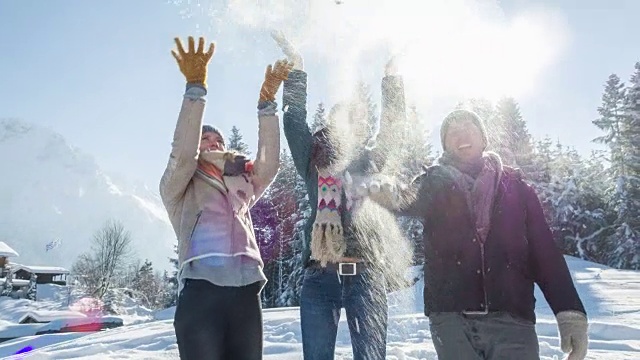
(323, 149)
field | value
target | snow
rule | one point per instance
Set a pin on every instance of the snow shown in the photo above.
(612, 299)
(53, 292)
(6, 250)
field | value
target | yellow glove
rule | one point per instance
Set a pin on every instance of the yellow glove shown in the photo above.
(273, 77)
(193, 64)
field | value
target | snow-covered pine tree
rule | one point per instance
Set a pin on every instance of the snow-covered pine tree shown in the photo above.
(627, 187)
(541, 174)
(236, 143)
(577, 211)
(265, 224)
(145, 285)
(362, 107)
(594, 217)
(319, 118)
(515, 144)
(291, 294)
(7, 286)
(610, 121)
(619, 105)
(276, 218)
(32, 290)
(170, 281)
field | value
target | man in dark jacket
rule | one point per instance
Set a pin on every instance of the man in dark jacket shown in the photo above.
(486, 243)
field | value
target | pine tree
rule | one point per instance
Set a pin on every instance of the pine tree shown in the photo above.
(293, 286)
(515, 143)
(618, 120)
(32, 290)
(275, 220)
(171, 281)
(577, 210)
(145, 285)
(236, 143)
(7, 286)
(611, 117)
(319, 118)
(626, 147)
(593, 215)
(363, 109)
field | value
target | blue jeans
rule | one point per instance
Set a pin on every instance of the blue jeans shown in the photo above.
(324, 294)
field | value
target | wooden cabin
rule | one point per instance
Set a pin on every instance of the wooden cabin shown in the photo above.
(44, 274)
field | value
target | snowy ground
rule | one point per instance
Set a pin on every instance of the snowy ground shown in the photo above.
(612, 298)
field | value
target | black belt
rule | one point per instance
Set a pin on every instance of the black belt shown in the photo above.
(342, 268)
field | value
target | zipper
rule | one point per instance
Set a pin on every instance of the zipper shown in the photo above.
(494, 210)
(193, 229)
(484, 280)
(232, 217)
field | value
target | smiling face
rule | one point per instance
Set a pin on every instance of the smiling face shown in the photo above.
(211, 141)
(464, 140)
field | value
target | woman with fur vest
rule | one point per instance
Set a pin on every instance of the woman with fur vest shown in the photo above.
(208, 192)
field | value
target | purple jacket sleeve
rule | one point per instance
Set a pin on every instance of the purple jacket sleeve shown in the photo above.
(549, 269)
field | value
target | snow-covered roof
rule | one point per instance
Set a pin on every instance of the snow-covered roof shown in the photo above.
(35, 269)
(7, 251)
(50, 315)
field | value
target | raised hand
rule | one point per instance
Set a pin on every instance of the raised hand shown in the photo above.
(289, 50)
(193, 63)
(273, 77)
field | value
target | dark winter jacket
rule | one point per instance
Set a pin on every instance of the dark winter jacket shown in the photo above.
(461, 274)
(300, 140)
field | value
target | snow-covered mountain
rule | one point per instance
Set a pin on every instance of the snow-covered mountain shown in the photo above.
(50, 190)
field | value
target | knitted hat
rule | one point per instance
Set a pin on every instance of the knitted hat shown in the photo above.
(460, 115)
(210, 128)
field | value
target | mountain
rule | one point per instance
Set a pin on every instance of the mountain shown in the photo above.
(50, 190)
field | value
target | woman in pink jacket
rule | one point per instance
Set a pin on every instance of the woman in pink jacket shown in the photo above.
(208, 192)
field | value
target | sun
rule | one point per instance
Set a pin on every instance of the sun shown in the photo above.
(482, 59)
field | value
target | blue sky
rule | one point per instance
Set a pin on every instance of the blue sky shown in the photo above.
(100, 73)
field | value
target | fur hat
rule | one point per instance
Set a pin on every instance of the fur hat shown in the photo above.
(459, 115)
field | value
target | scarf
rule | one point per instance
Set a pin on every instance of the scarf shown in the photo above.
(327, 235)
(210, 169)
(333, 160)
(239, 188)
(479, 181)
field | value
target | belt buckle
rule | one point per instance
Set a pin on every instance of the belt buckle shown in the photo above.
(341, 269)
(471, 312)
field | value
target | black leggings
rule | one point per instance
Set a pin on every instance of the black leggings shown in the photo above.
(218, 322)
